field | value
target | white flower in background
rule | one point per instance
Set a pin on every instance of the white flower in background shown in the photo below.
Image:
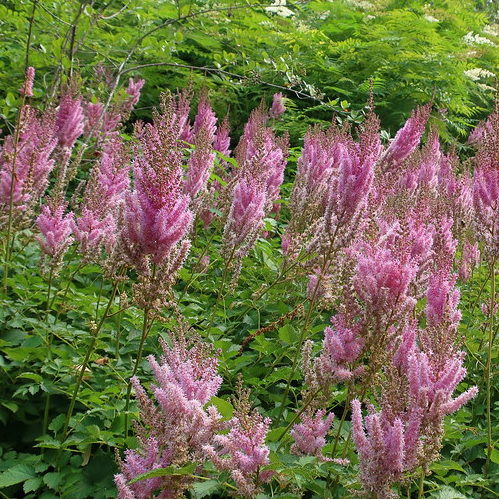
(369, 17)
(486, 88)
(491, 29)
(475, 39)
(431, 19)
(279, 7)
(360, 4)
(476, 74)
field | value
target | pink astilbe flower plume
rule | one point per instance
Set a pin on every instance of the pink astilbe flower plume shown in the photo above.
(199, 166)
(342, 345)
(133, 90)
(469, 259)
(243, 451)
(278, 107)
(380, 445)
(309, 435)
(156, 218)
(31, 161)
(55, 230)
(156, 212)
(27, 87)
(442, 301)
(245, 218)
(174, 425)
(103, 199)
(382, 280)
(69, 121)
(205, 121)
(222, 138)
(408, 137)
(486, 187)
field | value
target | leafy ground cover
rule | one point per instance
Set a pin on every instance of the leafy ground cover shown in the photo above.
(220, 292)
(279, 291)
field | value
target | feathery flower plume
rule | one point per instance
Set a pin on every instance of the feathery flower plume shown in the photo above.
(27, 87)
(156, 212)
(31, 160)
(55, 230)
(242, 451)
(245, 218)
(199, 166)
(205, 121)
(486, 187)
(342, 345)
(69, 121)
(315, 166)
(156, 218)
(408, 137)
(174, 425)
(278, 107)
(222, 138)
(133, 90)
(381, 451)
(103, 198)
(469, 259)
(309, 435)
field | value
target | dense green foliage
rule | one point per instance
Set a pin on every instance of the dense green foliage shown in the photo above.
(33, 463)
(321, 52)
(324, 58)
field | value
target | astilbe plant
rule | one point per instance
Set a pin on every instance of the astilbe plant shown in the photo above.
(156, 218)
(95, 228)
(55, 232)
(242, 451)
(174, 425)
(26, 163)
(407, 138)
(254, 190)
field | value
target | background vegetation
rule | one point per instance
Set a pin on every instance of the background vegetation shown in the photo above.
(324, 56)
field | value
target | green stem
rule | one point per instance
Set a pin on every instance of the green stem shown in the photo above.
(490, 444)
(146, 327)
(342, 421)
(49, 351)
(304, 329)
(86, 361)
(421, 485)
(297, 415)
(30, 33)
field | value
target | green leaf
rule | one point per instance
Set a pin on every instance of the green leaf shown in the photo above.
(17, 474)
(33, 376)
(32, 484)
(494, 455)
(224, 407)
(204, 488)
(169, 470)
(52, 480)
(442, 467)
(449, 493)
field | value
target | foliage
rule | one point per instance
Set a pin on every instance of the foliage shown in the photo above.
(74, 331)
(320, 53)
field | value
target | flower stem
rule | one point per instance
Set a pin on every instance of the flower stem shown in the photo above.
(49, 349)
(421, 485)
(146, 327)
(8, 246)
(490, 444)
(86, 360)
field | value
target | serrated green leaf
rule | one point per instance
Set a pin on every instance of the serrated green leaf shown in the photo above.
(205, 488)
(17, 474)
